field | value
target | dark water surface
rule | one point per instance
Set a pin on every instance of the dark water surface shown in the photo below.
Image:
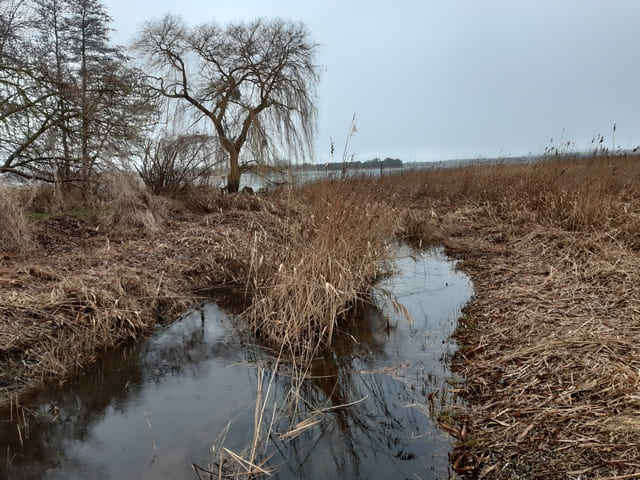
(152, 410)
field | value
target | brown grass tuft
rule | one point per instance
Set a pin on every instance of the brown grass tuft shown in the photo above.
(55, 197)
(132, 206)
(202, 199)
(54, 330)
(328, 253)
(14, 230)
(208, 199)
(420, 228)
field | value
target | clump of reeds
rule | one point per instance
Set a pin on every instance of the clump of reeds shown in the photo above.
(328, 254)
(208, 199)
(202, 199)
(420, 227)
(132, 206)
(14, 230)
(56, 197)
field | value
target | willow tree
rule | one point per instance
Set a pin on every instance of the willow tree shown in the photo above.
(254, 82)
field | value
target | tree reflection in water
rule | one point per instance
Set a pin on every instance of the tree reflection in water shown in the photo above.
(192, 377)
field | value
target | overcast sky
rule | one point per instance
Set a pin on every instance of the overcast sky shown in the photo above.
(453, 79)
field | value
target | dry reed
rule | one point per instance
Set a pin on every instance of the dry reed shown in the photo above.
(55, 197)
(329, 252)
(131, 205)
(86, 288)
(551, 341)
(14, 231)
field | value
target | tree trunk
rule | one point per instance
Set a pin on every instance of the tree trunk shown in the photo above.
(233, 179)
(84, 105)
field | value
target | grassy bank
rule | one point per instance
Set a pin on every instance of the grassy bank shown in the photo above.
(551, 341)
(71, 285)
(550, 344)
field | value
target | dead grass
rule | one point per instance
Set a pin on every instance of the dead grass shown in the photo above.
(307, 255)
(329, 251)
(550, 344)
(55, 318)
(55, 197)
(86, 287)
(551, 341)
(207, 199)
(14, 231)
(132, 206)
(420, 227)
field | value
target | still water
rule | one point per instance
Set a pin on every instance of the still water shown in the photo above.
(188, 392)
(302, 177)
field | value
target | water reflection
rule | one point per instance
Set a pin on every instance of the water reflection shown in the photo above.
(190, 379)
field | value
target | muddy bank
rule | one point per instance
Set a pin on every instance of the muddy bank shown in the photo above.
(82, 287)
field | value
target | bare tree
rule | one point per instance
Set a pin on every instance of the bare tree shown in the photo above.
(28, 107)
(255, 82)
(106, 90)
(70, 102)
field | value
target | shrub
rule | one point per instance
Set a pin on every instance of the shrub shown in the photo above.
(169, 165)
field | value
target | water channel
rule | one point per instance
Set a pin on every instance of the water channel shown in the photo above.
(187, 395)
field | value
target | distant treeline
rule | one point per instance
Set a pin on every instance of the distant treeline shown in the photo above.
(356, 165)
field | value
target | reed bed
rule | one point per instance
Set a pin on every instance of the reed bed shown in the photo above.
(550, 344)
(296, 261)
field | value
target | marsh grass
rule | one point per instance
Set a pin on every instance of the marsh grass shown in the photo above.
(54, 197)
(330, 251)
(55, 331)
(420, 228)
(15, 236)
(550, 343)
(308, 256)
(89, 213)
(132, 206)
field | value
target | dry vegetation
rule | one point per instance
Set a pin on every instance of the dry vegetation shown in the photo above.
(550, 344)
(14, 233)
(551, 341)
(330, 253)
(93, 281)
